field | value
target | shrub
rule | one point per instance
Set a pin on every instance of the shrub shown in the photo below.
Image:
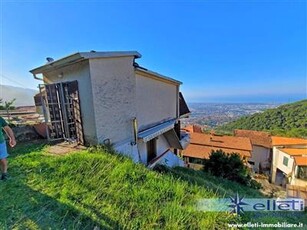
(229, 166)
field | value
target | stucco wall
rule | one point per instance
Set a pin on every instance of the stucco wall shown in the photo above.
(278, 161)
(113, 85)
(79, 72)
(298, 182)
(259, 155)
(156, 101)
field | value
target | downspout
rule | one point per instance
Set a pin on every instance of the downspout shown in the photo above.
(40, 79)
(37, 78)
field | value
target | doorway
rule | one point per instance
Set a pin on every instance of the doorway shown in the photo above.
(151, 150)
(62, 111)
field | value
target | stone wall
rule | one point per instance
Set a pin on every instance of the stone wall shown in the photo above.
(25, 133)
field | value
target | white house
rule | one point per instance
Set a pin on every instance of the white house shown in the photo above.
(289, 163)
(106, 97)
(261, 155)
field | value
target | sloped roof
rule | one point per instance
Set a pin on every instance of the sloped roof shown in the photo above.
(240, 143)
(287, 141)
(157, 76)
(188, 128)
(183, 107)
(257, 137)
(193, 128)
(202, 145)
(294, 151)
(81, 56)
(203, 152)
(300, 161)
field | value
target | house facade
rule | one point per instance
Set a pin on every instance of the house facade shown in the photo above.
(261, 155)
(107, 98)
(289, 162)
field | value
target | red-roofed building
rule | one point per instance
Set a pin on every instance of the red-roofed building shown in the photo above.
(289, 161)
(261, 154)
(201, 145)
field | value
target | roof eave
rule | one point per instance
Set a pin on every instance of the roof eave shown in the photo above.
(81, 56)
(90, 55)
(158, 76)
(51, 65)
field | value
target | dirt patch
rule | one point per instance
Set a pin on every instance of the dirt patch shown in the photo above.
(64, 148)
(269, 189)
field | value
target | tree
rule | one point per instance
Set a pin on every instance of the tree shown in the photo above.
(229, 166)
(7, 106)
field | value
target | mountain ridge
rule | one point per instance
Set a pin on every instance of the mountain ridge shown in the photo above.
(24, 96)
(285, 120)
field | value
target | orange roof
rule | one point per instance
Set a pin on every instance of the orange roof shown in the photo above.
(203, 152)
(230, 142)
(188, 128)
(256, 137)
(287, 141)
(193, 128)
(201, 145)
(294, 151)
(301, 161)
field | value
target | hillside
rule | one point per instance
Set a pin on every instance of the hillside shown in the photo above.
(286, 120)
(24, 96)
(95, 188)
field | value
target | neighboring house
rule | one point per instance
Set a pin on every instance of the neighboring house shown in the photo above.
(261, 153)
(201, 145)
(289, 162)
(107, 98)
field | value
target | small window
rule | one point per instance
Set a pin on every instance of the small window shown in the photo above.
(285, 161)
(194, 160)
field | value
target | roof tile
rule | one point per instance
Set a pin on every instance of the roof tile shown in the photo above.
(287, 141)
(300, 161)
(257, 137)
(202, 145)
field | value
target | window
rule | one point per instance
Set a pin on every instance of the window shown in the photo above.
(302, 172)
(285, 161)
(196, 160)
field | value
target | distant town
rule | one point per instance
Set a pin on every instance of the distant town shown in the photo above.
(211, 115)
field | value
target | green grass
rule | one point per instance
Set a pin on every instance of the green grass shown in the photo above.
(95, 188)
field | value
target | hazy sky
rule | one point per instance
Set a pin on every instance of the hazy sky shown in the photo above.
(222, 51)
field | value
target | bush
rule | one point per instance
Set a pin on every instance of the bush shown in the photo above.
(229, 166)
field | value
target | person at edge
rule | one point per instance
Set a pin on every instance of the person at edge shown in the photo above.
(3, 150)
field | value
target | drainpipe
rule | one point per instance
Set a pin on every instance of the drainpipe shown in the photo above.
(37, 78)
(40, 79)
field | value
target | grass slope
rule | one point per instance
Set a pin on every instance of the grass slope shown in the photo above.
(286, 120)
(87, 189)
